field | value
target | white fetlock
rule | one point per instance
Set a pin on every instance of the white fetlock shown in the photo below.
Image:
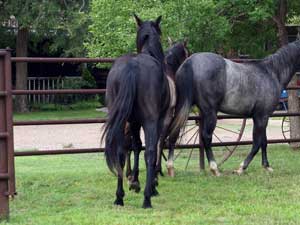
(170, 168)
(171, 171)
(214, 168)
(269, 169)
(240, 170)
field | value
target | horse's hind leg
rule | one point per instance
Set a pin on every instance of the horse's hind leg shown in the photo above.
(259, 140)
(151, 138)
(165, 128)
(128, 165)
(134, 183)
(209, 121)
(170, 162)
(128, 146)
(121, 157)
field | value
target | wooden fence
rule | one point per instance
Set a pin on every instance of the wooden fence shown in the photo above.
(46, 83)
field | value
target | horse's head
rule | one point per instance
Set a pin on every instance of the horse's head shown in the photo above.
(176, 54)
(148, 37)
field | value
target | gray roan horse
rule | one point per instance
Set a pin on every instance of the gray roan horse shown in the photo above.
(174, 57)
(138, 93)
(253, 89)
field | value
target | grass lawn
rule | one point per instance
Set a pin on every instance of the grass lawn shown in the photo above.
(60, 114)
(79, 189)
(80, 110)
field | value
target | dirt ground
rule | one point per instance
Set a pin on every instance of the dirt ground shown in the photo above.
(48, 137)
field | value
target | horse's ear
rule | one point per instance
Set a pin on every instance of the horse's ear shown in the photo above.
(158, 20)
(170, 41)
(185, 42)
(137, 20)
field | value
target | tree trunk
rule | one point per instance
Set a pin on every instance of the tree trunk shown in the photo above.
(21, 69)
(293, 100)
(294, 106)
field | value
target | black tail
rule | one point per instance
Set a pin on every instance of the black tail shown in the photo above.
(118, 114)
(184, 88)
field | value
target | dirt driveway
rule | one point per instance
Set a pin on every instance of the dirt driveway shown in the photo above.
(48, 137)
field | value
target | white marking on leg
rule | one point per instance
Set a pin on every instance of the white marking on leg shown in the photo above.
(269, 169)
(240, 170)
(170, 168)
(213, 165)
(214, 168)
(170, 164)
(242, 164)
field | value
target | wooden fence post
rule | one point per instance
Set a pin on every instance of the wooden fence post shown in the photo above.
(4, 176)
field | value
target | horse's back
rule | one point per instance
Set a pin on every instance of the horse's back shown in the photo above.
(152, 86)
(249, 89)
(207, 71)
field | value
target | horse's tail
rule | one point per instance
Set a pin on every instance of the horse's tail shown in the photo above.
(118, 114)
(184, 88)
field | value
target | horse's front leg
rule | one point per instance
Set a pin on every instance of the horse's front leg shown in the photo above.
(259, 140)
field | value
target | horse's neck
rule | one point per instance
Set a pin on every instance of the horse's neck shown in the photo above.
(172, 64)
(155, 50)
(284, 63)
(170, 71)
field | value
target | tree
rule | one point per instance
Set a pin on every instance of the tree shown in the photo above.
(112, 32)
(39, 19)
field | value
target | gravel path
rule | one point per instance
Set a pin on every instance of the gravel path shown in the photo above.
(48, 137)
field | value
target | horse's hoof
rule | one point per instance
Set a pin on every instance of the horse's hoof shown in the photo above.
(154, 193)
(239, 171)
(161, 173)
(119, 202)
(215, 172)
(171, 172)
(129, 178)
(147, 205)
(135, 186)
(214, 168)
(269, 169)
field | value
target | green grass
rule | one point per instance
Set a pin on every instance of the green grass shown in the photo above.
(62, 114)
(80, 110)
(79, 189)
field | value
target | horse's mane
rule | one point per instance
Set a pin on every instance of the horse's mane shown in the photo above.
(283, 58)
(148, 40)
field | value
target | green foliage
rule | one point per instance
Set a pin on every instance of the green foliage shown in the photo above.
(224, 26)
(295, 20)
(88, 80)
(113, 29)
(64, 22)
(85, 82)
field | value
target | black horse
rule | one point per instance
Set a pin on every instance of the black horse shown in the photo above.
(253, 89)
(138, 93)
(174, 57)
